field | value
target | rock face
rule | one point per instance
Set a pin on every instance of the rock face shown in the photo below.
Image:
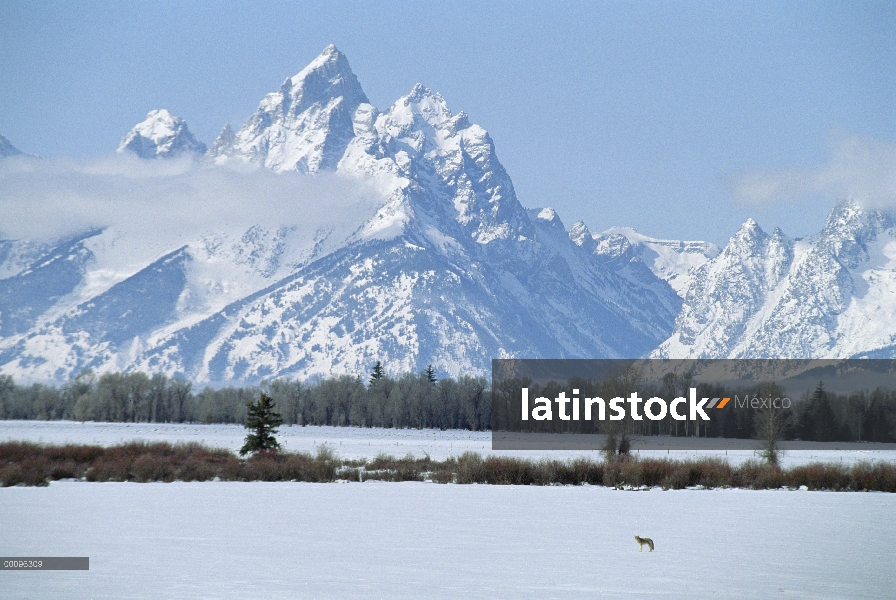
(161, 135)
(448, 268)
(832, 295)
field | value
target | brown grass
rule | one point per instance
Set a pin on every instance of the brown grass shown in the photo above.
(23, 463)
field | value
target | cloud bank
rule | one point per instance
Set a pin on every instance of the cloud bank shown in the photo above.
(50, 199)
(860, 167)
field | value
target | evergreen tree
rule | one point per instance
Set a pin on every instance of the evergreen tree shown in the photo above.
(378, 373)
(430, 374)
(823, 423)
(263, 422)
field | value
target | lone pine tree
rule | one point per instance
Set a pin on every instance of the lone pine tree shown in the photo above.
(378, 372)
(263, 422)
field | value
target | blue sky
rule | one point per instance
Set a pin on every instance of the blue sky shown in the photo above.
(631, 113)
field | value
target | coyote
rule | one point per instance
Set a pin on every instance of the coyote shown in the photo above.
(641, 541)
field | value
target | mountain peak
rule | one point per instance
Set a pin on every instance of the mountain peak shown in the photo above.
(749, 234)
(7, 149)
(224, 142)
(327, 77)
(431, 107)
(422, 96)
(750, 225)
(778, 234)
(849, 216)
(418, 92)
(579, 233)
(848, 220)
(329, 55)
(160, 135)
(547, 214)
(307, 124)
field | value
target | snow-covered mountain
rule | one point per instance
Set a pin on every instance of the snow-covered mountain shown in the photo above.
(411, 247)
(832, 295)
(446, 268)
(7, 149)
(671, 260)
(305, 125)
(161, 135)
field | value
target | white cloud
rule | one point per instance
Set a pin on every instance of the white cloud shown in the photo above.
(860, 167)
(46, 199)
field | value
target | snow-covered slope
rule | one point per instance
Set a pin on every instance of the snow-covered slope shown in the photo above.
(160, 135)
(832, 295)
(447, 272)
(447, 268)
(671, 260)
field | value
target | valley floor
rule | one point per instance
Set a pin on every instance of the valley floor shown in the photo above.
(355, 442)
(422, 540)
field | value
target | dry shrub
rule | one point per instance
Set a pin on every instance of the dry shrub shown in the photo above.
(29, 472)
(653, 472)
(12, 474)
(612, 473)
(64, 469)
(505, 470)
(713, 472)
(304, 467)
(874, 477)
(678, 478)
(469, 469)
(758, 476)
(24, 463)
(263, 466)
(584, 470)
(630, 473)
(151, 467)
(385, 467)
(821, 476)
(443, 476)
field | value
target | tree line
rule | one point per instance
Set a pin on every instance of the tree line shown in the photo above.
(419, 400)
(406, 401)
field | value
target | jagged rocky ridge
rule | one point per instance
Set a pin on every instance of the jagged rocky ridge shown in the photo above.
(831, 295)
(448, 268)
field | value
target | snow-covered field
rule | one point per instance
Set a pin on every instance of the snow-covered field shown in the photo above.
(424, 540)
(354, 442)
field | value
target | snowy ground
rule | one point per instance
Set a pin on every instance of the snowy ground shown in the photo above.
(424, 540)
(353, 442)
